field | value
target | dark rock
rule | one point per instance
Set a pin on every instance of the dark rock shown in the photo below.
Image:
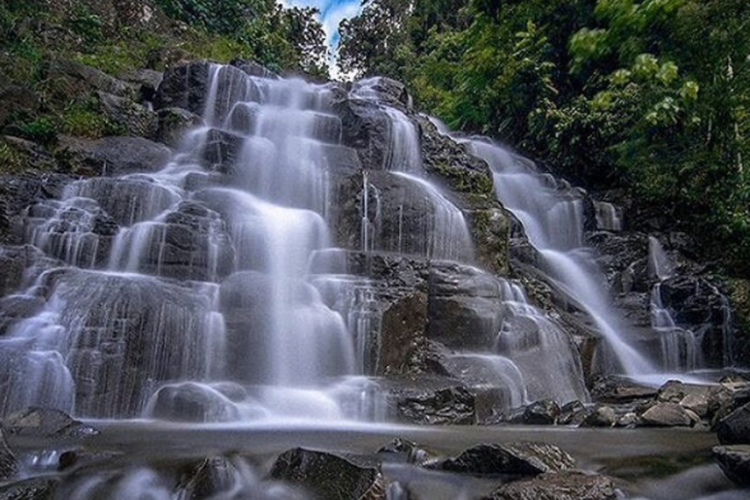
(735, 462)
(147, 80)
(464, 307)
(184, 86)
(365, 128)
(164, 58)
(445, 404)
(600, 416)
(565, 485)
(29, 489)
(664, 415)
(572, 413)
(8, 466)
(402, 328)
(735, 427)
(191, 402)
(173, 123)
(113, 156)
(17, 308)
(617, 390)
(134, 119)
(14, 260)
(704, 400)
(222, 150)
(697, 305)
(545, 412)
(512, 459)
(45, 423)
(490, 230)
(624, 259)
(207, 478)
(329, 477)
(384, 90)
(450, 161)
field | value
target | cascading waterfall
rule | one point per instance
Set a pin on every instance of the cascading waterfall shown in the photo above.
(553, 222)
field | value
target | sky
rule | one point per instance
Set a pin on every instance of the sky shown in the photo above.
(332, 12)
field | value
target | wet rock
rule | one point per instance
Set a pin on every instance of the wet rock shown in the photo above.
(735, 427)
(704, 400)
(565, 485)
(134, 119)
(490, 230)
(7, 460)
(617, 390)
(520, 458)
(184, 86)
(29, 489)
(206, 479)
(191, 402)
(44, 423)
(545, 412)
(16, 308)
(450, 161)
(173, 123)
(113, 156)
(600, 416)
(222, 149)
(386, 91)
(365, 128)
(624, 259)
(697, 305)
(665, 415)
(328, 476)
(464, 307)
(402, 329)
(572, 413)
(629, 419)
(452, 404)
(735, 462)
(14, 260)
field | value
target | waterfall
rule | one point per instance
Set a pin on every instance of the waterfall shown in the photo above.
(553, 222)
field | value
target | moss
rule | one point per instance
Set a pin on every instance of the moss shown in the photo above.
(82, 118)
(11, 161)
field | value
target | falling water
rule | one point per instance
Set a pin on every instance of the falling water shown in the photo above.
(553, 222)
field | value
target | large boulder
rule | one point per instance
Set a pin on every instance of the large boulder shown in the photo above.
(328, 476)
(184, 86)
(75, 79)
(8, 466)
(522, 458)
(113, 156)
(735, 462)
(665, 415)
(133, 118)
(703, 400)
(191, 402)
(434, 402)
(735, 427)
(564, 485)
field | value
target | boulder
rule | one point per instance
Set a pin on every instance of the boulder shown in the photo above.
(44, 423)
(147, 80)
(409, 452)
(447, 402)
(113, 156)
(664, 415)
(522, 458)
(545, 412)
(21, 155)
(564, 485)
(735, 427)
(8, 466)
(191, 402)
(735, 462)
(704, 400)
(365, 128)
(572, 413)
(184, 86)
(385, 90)
(402, 329)
(612, 389)
(29, 489)
(600, 416)
(329, 476)
(207, 479)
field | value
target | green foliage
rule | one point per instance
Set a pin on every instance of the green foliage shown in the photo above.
(652, 96)
(82, 118)
(42, 130)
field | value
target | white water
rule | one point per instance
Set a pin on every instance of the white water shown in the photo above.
(553, 222)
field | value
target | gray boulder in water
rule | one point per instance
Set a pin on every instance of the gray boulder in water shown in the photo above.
(565, 485)
(45, 423)
(735, 427)
(735, 462)
(520, 458)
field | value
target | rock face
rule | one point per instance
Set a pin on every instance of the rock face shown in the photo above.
(735, 462)
(113, 156)
(735, 427)
(45, 423)
(8, 465)
(29, 489)
(513, 459)
(184, 86)
(189, 402)
(566, 485)
(328, 476)
(665, 415)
